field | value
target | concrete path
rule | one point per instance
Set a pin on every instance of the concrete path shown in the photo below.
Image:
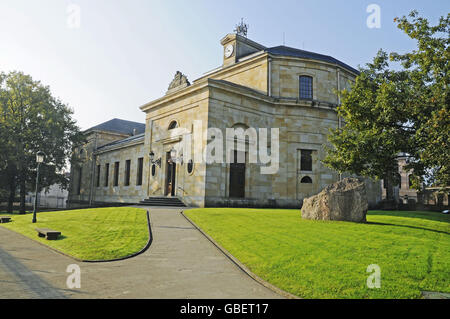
(180, 263)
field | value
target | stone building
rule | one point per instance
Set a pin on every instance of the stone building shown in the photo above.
(404, 192)
(427, 198)
(255, 87)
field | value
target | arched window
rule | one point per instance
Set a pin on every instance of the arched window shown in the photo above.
(306, 87)
(173, 125)
(306, 180)
(153, 170)
(241, 126)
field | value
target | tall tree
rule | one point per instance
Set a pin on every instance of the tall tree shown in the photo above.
(388, 111)
(32, 120)
(429, 107)
(375, 127)
(8, 171)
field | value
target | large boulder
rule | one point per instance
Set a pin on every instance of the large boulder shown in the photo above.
(345, 200)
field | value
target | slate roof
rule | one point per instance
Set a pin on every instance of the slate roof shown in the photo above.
(287, 51)
(119, 126)
(124, 141)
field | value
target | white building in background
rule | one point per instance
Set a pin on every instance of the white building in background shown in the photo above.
(54, 197)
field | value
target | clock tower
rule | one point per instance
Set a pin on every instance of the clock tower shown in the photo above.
(237, 45)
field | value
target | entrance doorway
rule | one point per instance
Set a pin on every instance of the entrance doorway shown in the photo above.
(170, 175)
(237, 178)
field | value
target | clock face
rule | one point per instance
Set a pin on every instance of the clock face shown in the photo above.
(229, 50)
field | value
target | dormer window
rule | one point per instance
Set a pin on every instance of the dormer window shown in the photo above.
(306, 87)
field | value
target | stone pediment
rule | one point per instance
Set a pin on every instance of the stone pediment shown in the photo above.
(179, 82)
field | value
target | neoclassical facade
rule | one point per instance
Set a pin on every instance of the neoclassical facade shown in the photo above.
(255, 87)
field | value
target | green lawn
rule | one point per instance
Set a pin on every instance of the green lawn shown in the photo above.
(324, 259)
(89, 234)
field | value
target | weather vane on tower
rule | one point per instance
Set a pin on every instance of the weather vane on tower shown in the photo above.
(241, 28)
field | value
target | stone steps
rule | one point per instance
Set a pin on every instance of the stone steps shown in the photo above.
(163, 201)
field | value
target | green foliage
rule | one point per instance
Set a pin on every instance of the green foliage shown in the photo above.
(368, 145)
(429, 112)
(32, 120)
(388, 111)
(329, 259)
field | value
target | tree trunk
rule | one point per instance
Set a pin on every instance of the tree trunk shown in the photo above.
(12, 194)
(22, 191)
(389, 185)
(11, 172)
(389, 189)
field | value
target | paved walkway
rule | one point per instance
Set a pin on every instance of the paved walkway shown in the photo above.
(180, 263)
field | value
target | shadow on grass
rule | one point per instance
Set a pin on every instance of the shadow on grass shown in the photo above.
(15, 213)
(41, 210)
(429, 215)
(60, 237)
(408, 226)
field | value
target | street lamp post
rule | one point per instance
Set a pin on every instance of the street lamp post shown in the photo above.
(39, 159)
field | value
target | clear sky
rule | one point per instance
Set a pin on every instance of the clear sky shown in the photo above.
(124, 53)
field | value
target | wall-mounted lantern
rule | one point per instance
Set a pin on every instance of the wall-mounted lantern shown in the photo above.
(153, 161)
(174, 158)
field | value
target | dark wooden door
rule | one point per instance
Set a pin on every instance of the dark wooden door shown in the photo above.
(237, 178)
(170, 176)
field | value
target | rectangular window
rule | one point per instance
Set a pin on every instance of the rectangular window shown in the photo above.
(106, 175)
(140, 171)
(306, 88)
(237, 177)
(306, 160)
(127, 172)
(116, 174)
(80, 176)
(98, 176)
